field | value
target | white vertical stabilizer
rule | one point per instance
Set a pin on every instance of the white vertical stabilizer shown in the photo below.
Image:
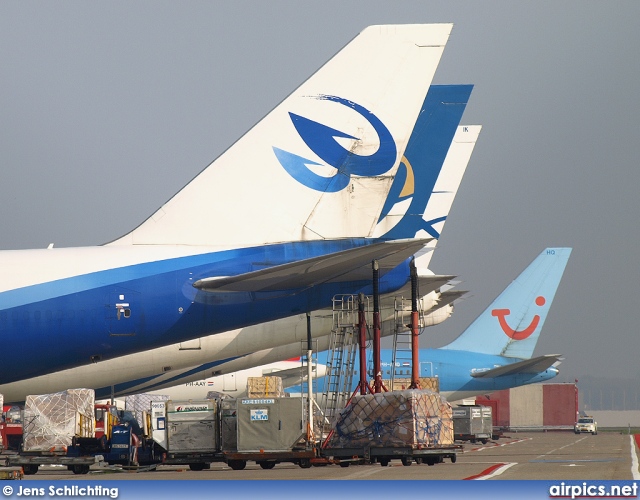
(446, 188)
(321, 163)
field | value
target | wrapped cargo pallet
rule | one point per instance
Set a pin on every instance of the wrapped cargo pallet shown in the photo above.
(265, 387)
(138, 404)
(414, 418)
(52, 420)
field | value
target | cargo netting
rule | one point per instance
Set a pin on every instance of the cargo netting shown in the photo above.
(415, 418)
(52, 420)
(138, 404)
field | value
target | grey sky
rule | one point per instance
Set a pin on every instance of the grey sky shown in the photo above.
(108, 108)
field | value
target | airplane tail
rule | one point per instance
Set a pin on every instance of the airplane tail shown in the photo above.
(444, 192)
(320, 164)
(511, 325)
(424, 164)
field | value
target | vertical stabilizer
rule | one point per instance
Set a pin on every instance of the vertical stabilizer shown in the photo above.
(511, 325)
(422, 163)
(445, 190)
(321, 163)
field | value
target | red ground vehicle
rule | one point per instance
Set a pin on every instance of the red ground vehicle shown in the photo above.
(105, 413)
(11, 427)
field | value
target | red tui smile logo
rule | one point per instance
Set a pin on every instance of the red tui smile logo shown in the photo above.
(501, 314)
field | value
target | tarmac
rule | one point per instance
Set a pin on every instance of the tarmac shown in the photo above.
(556, 455)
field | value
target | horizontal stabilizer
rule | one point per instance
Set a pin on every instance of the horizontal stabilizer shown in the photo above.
(447, 298)
(533, 365)
(348, 265)
(290, 376)
(426, 284)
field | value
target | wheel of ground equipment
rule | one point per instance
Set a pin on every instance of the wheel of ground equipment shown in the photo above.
(81, 469)
(237, 464)
(344, 464)
(197, 466)
(305, 463)
(383, 461)
(29, 469)
(267, 464)
(484, 441)
(406, 461)
(454, 458)
(430, 461)
(103, 444)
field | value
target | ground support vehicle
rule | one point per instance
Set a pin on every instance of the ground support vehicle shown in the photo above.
(123, 447)
(11, 427)
(586, 423)
(472, 423)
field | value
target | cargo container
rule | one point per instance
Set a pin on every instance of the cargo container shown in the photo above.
(267, 431)
(188, 431)
(472, 423)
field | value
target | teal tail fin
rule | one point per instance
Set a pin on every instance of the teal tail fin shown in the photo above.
(511, 325)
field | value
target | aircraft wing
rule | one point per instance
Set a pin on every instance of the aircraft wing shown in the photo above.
(533, 365)
(347, 265)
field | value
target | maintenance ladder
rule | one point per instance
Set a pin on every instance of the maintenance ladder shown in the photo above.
(401, 353)
(343, 345)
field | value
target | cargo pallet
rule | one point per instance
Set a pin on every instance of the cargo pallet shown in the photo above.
(384, 454)
(195, 461)
(8, 473)
(31, 463)
(237, 460)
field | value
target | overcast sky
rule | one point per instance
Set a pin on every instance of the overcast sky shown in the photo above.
(109, 108)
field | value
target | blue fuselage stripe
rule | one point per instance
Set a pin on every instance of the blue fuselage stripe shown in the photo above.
(115, 312)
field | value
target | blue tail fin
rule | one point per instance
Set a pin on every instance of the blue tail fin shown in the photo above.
(511, 325)
(402, 214)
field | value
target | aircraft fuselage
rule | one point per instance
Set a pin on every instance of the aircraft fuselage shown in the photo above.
(68, 307)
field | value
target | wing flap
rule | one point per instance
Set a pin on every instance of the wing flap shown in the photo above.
(348, 265)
